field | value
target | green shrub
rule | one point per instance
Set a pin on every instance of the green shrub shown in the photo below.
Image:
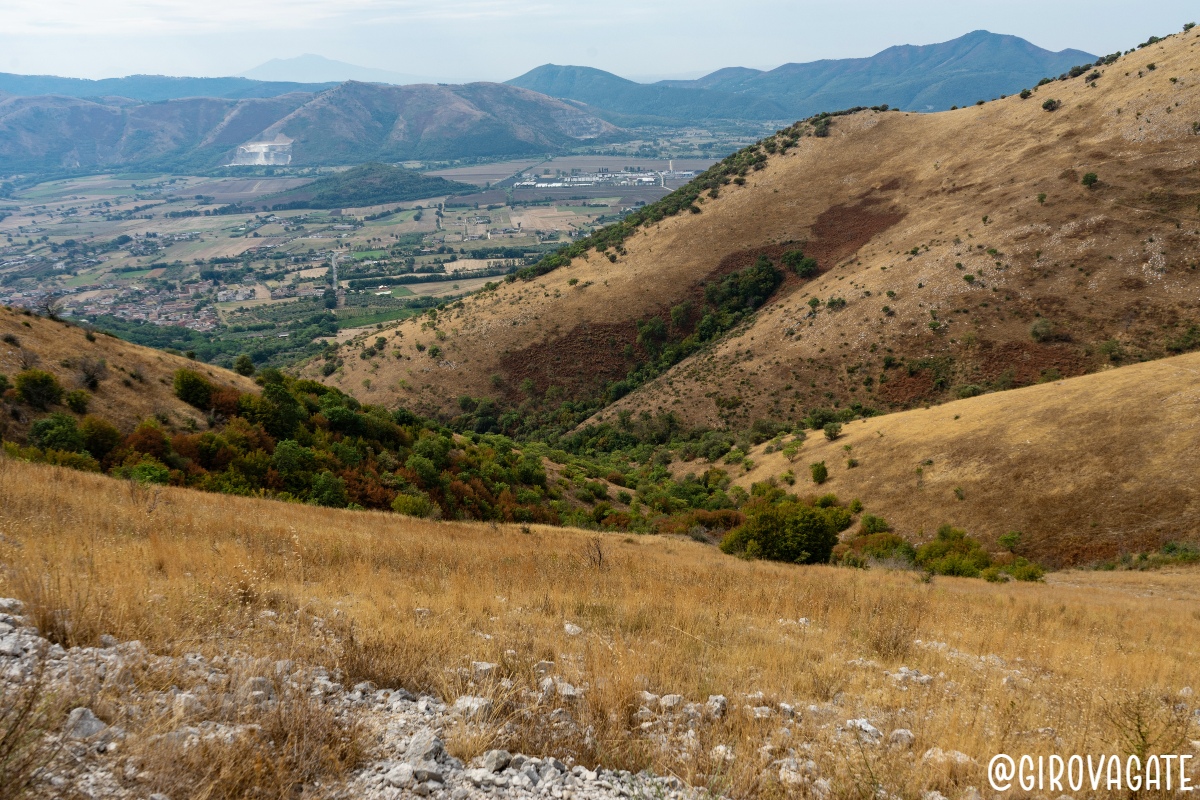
(1010, 540)
(1043, 330)
(970, 390)
(244, 365)
(38, 389)
(56, 432)
(1051, 105)
(1090, 179)
(820, 473)
(425, 469)
(832, 430)
(953, 553)
(1188, 340)
(788, 530)
(994, 575)
(796, 261)
(1026, 94)
(871, 524)
(416, 504)
(148, 470)
(193, 388)
(881, 546)
(100, 437)
(1024, 570)
(4, 384)
(77, 401)
(329, 490)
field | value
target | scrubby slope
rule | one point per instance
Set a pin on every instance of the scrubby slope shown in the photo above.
(1110, 269)
(134, 382)
(471, 609)
(1086, 469)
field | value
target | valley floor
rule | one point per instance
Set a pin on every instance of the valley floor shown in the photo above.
(599, 651)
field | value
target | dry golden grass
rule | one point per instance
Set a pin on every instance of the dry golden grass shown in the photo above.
(1111, 262)
(184, 571)
(121, 398)
(1087, 468)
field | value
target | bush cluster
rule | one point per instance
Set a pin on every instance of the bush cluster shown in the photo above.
(781, 527)
(303, 441)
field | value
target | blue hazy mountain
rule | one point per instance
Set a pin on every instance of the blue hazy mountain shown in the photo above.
(977, 66)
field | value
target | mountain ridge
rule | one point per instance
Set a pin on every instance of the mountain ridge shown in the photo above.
(350, 123)
(977, 65)
(151, 88)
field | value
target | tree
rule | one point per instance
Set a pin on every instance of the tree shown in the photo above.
(48, 305)
(193, 388)
(56, 432)
(329, 490)
(38, 388)
(820, 473)
(244, 365)
(1091, 179)
(100, 437)
(799, 264)
(788, 531)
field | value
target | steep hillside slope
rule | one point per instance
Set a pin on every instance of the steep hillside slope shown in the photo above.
(351, 123)
(979, 65)
(961, 251)
(131, 383)
(1086, 469)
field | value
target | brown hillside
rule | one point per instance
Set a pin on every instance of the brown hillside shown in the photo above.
(1086, 469)
(136, 382)
(409, 603)
(1112, 269)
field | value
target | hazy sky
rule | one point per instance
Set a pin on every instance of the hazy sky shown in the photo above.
(499, 39)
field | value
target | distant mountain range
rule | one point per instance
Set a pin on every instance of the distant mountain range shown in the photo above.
(977, 66)
(51, 123)
(348, 124)
(310, 68)
(151, 88)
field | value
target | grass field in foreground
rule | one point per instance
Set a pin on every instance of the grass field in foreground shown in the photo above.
(1100, 658)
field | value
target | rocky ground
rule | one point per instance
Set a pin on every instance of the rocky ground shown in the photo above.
(404, 733)
(128, 723)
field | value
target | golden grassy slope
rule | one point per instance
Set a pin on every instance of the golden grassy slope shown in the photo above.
(1086, 468)
(122, 398)
(184, 571)
(1117, 262)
